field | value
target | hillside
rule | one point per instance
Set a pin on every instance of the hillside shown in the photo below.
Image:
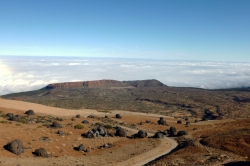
(106, 84)
(142, 96)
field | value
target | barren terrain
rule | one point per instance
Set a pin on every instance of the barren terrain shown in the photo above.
(125, 151)
(212, 127)
(148, 96)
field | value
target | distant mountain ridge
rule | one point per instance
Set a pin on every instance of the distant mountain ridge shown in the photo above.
(142, 96)
(106, 84)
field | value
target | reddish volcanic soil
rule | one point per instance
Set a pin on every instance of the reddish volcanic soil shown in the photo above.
(208, 142)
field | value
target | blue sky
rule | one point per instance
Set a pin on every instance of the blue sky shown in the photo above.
(213, 30)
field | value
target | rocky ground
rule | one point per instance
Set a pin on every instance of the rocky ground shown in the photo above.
(214, 142)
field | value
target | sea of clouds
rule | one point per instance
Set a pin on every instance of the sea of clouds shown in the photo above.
(19, 74)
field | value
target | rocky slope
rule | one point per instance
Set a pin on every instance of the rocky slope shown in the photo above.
(106, 83)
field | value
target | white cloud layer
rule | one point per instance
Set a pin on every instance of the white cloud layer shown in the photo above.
(29, 73)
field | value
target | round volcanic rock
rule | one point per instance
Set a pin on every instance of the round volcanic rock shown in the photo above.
(81, 147)
(158, 135)
(14, 118)
(41, 152)
(10, 115)
(118, 116)
(120, 132)
(142, 134)
(101, 130)
(29, 112)
(161, 121)
(181, 133)
(89, 134)
(85, 122)
(172, 131)
(15, 146)
(56, 125)
(179, 122)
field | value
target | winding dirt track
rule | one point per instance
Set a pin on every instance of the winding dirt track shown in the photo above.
(165, 147)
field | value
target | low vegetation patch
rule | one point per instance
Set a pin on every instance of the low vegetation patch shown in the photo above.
(78, 126)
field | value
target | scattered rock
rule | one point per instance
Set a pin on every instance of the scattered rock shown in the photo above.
(120, 132)
(45, 139)
(91, 116)
(162, 121)
(60, 132)
(181, 133)
(133, 125)
(101, 130)
(14, 118)
(108, 145)
(140, 134)
(56, 125)
(78, 116)
(166, 132)
(179, 122)
(89, 134)
(141, 123)
(41, 152)
(29, 112)
(15, 146)
(158, 135)
(172, 131)
(85, 122)
(81, 147)
(148, 121)
(9, 115)
(118, 116)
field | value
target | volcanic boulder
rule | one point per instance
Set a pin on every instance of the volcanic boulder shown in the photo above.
(118, 116)
(181, 133)
(85, 122)
(9, 115)
(56, 125)
(172, 131)
(161, 121)
(179, 122)
(120, 132)
(41, 152)
(81, 147)
(89, 134)
(14, 118)
(166, 132)
(29, 112)
(101, 130)
(15, 146)
(140, 134)
(158, 135)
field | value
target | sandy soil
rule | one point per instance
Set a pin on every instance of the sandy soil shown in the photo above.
(24, 106)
